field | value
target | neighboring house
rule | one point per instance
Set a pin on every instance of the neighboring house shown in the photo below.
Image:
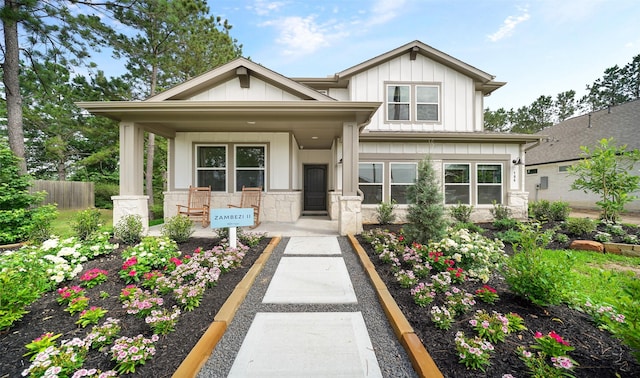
(547, 165)
(337, 145)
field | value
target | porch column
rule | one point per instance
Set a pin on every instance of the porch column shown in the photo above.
(131, 199)
(350, 215)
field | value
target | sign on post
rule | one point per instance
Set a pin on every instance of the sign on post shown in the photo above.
(232, 218)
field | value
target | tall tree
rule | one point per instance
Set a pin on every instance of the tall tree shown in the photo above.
(607, 90)
(565, 105)
(172, 41)
(39, 30)
(496, 120)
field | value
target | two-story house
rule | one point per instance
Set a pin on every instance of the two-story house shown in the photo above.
(337, 145)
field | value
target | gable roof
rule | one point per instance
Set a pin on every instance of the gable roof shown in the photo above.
(232, 69)
(562, 142)
(484, 81)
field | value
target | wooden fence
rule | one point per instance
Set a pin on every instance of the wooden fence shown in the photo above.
(67, 194)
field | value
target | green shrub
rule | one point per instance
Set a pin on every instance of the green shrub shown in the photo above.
(472, 227)
(461, 212)
(385, 212)
(41, 219)
(561, 238)
(560, 211)
(506, 224)
(129, 229)
(602, 237)
(580, 226)
(85, 223)
(629, 305)
(509, 236)
(103, 193)
(157, 211)
(500, 211)
(178, 228)
(425, 217)
(529, 275)
(540, 210)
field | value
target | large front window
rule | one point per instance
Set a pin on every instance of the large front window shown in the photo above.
(370, 180)
(489, 183)
(211, 167)
(403, 175)
(250, 166)
(457, 186)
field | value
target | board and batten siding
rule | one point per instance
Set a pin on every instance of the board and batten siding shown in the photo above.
(278, 159)
(259, 90)
(458, 96)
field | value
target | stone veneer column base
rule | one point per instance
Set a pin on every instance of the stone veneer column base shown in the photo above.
(518, 202)
(131, 205)
(350, 217)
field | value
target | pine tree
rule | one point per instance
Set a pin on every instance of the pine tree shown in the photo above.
(426, 214)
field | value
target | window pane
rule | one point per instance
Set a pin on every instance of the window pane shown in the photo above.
(456, 193)
(250, 178)
(250, 157)
(399, 193)
(456, 173)
(398, 93)
(372, 194)
(427, 94)
(427, 112)
(403, 173)
(489, 193)
(398, 112)
(214, 178)
(370, 173)
(211, 157)
(489, 174)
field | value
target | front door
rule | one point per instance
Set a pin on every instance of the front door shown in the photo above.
(315, 188)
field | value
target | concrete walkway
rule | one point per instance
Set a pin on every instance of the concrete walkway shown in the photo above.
(310, 312)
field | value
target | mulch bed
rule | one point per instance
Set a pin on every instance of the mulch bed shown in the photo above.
(46, 315)
(598, 353)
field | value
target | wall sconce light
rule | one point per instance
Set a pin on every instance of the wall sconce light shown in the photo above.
(340, 161)
(517, 161)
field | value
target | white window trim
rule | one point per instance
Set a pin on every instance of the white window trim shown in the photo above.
(469, 184)
(264, 169)
(225, 169)
(387, 103)
(413, 103)
(478, 185)
(381, 183)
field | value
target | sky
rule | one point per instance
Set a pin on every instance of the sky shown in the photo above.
(537, 47)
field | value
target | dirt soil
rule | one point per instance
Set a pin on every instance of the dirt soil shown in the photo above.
(46, 315)
(598, 353)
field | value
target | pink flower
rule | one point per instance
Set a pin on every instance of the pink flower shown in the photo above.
(132, 273)
(537, 335)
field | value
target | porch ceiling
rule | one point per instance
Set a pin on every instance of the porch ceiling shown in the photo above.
(315, 124)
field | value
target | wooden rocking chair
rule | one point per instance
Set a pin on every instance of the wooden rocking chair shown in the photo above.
(198, 206)
(251, 199)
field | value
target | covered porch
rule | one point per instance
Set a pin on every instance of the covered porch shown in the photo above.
(329, 129)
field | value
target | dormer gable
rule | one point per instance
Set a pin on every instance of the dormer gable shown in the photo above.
(245, 76)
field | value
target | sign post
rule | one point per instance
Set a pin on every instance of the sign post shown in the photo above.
(232, 218)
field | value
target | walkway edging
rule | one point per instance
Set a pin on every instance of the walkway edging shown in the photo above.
(201, 352)
(422, 362)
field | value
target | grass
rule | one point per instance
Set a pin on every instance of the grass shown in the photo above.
(596, 276)
(61, 226)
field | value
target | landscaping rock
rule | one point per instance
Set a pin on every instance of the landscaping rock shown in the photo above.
(587, 245)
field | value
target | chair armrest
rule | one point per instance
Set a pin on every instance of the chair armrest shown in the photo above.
(230, 205)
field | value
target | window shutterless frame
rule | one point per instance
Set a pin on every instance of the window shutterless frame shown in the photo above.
(211, 166)
(403, 175)
(370, 181)
(250, 166)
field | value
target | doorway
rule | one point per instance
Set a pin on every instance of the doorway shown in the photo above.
(315, 189)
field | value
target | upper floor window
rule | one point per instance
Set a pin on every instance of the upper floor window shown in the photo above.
(403, 175)
(211, 167)
(250, 166)
(413, 102)
(398, 102)
(370, 182)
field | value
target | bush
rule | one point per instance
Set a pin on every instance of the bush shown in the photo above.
(509, 236)
(472, 227)
(529, 275)
(580, 226)
(157, 211)
(506, 224)
(461, 212)
(500, 211)
(178, 228)
(560, 211)
(41, 218)
(540, 210)
(85, 223)
(103, 193)
(426, 209)
(385, 212)
(129, 229)
(561, 238)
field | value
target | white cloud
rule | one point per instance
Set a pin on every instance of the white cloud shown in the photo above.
(509, 25)
(299, 35)
(384, 11)
(263, 8)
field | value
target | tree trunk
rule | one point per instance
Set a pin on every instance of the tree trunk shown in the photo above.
(11, 79)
